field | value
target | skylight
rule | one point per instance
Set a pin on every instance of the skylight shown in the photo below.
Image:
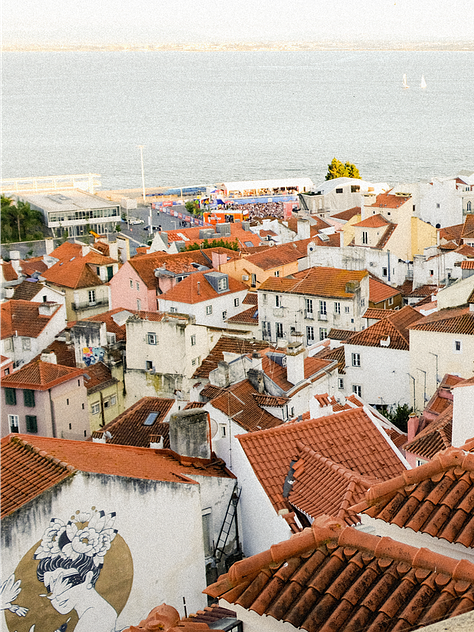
(150, 420)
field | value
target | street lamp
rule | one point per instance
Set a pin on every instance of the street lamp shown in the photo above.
(143, 173)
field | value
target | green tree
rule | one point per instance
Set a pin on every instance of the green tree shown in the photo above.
(20, 221)
(399, 416)
(193, 207)
(215, 243)
(337, 169)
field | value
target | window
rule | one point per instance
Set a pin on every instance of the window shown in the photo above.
(264, 298)
(414, 207)
(431, 272)
(254, 280)
(337, 308)
(277, 273)
(279, 330)
(92, 296)
(6, 372)
(26, 344)
(266, 329)
(110, 401)
(356, 359)
(309, 305)
(224, 315)
(457, 346)
(31, 423)
(14, 423)
(438, 205)
(70, 426)
(365, 237)
(29, 398)
(67, 402)
(357, 389)
(208, 309)
(95, 408)
(322, 307)
(390, 301)
(362, 302)
(8, 344)
(236, 302)
(10, 396)
(222, 284)
(323, 333)
(173, 310)
(193, 340)
(151, 338)
(384, 272)
(206, 532)
(138, 286)
(277, 301)
(139, 304)
(340, 383)
(149, 365)
(355, 189)
(131, 283)
(223, 430)
(347, 310)
(468, 207)
(339, 190)
(309, 334)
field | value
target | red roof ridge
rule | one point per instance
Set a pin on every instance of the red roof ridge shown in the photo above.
(327, 529)
(42, 453)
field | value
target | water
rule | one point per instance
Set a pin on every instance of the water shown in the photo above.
(210, 117)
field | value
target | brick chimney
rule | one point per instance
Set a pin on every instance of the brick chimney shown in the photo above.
(190, 433)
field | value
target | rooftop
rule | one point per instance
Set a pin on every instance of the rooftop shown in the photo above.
(135, 425)
(334, 577)
(319, 281)
(390, 199)
(227, 344)
(379, 291)
(40, 376)
(196, 288)
(348, 438)
(277, 256)
(458, 320)
(115, 321)
(23, 318)
(374, 221)
(247, 317)
(349, 214)
(391, 332)
(27, 290)
(434, 437)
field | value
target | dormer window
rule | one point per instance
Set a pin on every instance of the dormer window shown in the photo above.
(223, 284)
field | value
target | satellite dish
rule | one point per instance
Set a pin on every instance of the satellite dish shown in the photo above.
(214, 428)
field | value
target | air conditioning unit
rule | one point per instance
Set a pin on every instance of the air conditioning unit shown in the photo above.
(111, 338)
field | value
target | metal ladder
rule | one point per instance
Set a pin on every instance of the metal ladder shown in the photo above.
(227, 524)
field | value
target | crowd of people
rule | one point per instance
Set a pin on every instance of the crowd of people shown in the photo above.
(261, 209)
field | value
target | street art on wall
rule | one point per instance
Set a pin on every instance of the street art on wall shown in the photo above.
(91, 355)
(77, 578)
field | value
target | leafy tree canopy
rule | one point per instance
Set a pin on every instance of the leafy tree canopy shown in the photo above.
(337, 169)
(20, 222)
(399, 416)
(215, 243)
(193, 207)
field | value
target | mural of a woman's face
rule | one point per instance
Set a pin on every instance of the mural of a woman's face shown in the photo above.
(66, 593)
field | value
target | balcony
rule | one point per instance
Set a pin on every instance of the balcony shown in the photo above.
(309, 314)
(83, 305)
(322, 316)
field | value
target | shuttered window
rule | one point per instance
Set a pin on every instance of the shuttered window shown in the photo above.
(10, 396)
(31, 423)
(29, 398)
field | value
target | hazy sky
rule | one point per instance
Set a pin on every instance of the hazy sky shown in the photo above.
(155, 21)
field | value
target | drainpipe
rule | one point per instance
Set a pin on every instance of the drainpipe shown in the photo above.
(388, 271)
(53, 418)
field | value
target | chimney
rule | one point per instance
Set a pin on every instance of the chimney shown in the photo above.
(49, 357)
(463, 405)
(46, 308)
(256, 379)
(295, 357)
(303, 229)
(218, 259)
(190, 433)
(99, 437)
(199, 288)
(49, 245)
(156, 442)
(15, 260)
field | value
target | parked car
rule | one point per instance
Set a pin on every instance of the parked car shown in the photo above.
(136, 220)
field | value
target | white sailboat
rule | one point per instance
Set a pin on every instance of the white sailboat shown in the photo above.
(423, 82)
(405, 84)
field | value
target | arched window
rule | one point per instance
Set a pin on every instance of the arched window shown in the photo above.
(468, 207)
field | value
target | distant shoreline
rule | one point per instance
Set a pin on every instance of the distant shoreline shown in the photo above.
(452, 46)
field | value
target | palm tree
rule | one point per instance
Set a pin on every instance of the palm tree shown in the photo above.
(18, 217)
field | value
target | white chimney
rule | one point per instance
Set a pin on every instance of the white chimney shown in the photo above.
(156, 442)
(463, 416)
(304, 229)
(49, 357)
(47, 308)
(295, 357)
(15, 260)
(49, 245)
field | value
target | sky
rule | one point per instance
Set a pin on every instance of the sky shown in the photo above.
(161, 21)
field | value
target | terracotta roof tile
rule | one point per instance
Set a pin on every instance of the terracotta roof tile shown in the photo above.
(379, 291)
(339, 334)
(348, 438)
(386, 236)
(434, 437)
(167, 619)
(468, 227)
(40, 376)
(67, 250)
(26, 473)
(389, 200)
(238, 402)
(248, 316)
(9, 273)
(196, 288)
(27, 290)
(406, 287)
(349, 214)
(190, 405)
(65, 354)
(319, 281)
(251, 298)
(465, 250)
(23, 319)
(374, 221)
(467, 265)
(390, 332)
(333, 577)
(129, 461)
(374, 313)
(334, 354)
(435, 498)
(278, 373)
(424, 290)
(227, 344)
(98, 377)
(129, 428)
(452, 320)
(271, 401)
(277, 256)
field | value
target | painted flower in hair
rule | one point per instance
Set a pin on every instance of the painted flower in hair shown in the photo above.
(83, 535)
(49, 546)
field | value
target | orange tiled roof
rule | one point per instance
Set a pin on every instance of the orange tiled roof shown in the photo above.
(468, 227)
(167, 619)
(271, 401)
(334, 577)
(379, 291)
(75, 273)
(238, 402)
(128, 461)
(339, 334)
(451, 233)
(248, 316)
(35, 264)
(436, 436)
(374, 221)
(278, 373)
(40, 376)
(26, 473)
(9, 273)
(465, 250)
(65, 354)
(386, 236)
(27, 290)
(251, 299)
(393, 328)
(317, 485)
(320, 281)
(277, 256)
(98, 377)
(129, 429)
(424, 290)
(373, 313)
(195, 288)
(22, 318)
(435, 498)
(467, 265)
(451, 320)
(389, 200)
(334, 354)
(349, 214)
(348, 438)
(67, 250)
(227, 344)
